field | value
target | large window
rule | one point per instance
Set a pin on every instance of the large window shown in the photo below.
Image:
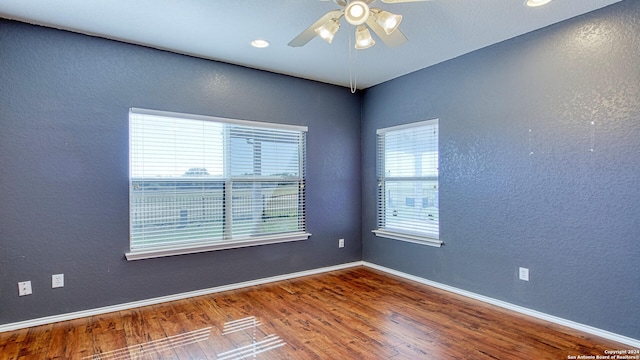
(407, 165)
(201, 183)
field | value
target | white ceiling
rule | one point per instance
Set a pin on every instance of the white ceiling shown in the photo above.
(222, 30)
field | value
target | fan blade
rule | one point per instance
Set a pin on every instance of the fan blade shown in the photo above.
(394, 39)
(401, 1)
(310, 32)
(341, 2)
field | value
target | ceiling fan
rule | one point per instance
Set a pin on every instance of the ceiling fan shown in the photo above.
(358, 13)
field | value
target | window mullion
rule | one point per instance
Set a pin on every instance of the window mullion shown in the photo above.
(228, 184)
(228, 209)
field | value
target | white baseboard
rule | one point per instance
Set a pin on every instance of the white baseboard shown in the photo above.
(135, 304)
(158, 300)
(536, 314)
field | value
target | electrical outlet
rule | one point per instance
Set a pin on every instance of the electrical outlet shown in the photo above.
(340, 243)
(57, 281)
(524, 274)
(24, 288)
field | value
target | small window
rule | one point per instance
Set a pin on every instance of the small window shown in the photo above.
(202, 183)
(407, 165)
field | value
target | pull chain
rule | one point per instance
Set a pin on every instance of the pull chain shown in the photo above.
(353, 57)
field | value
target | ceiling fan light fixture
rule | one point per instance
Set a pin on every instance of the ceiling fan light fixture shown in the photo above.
(327, 30)
(388, 21)
(356, 12)
(363, 38)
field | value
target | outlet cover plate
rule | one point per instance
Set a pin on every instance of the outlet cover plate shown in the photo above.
(24, 288)
(57, 281)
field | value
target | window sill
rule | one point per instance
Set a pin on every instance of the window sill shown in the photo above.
(221, 245)
(416, 239)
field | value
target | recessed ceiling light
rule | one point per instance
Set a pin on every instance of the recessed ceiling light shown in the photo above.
(534, 3)
(259, 43)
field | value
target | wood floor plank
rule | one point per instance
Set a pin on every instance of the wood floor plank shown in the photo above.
(376, 315)
(78, 339)
(184, 336)
(38, 339)
(206, 314)
(144, 335)
(12, 343)
(357, 313)
(58, 343)
(358, 332)
(109, 338)
(290, 325)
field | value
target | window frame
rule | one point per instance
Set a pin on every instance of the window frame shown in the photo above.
(429, 238)
(227, 181)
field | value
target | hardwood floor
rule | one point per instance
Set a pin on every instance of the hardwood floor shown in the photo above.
(357, 313)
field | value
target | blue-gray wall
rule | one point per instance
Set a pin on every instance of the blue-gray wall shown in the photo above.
(519, 184)
(64, 101)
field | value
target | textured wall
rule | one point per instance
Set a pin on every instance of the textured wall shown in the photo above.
(539, 168)
(64, 101)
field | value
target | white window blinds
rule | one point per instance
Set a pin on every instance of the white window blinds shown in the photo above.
(407, 165)
(202, 183)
